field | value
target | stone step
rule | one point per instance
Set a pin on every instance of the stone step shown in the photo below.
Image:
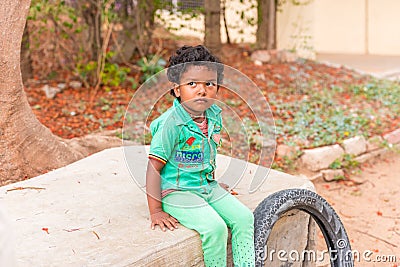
(93, 213)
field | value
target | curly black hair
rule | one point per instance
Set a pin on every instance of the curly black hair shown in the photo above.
(189, 56)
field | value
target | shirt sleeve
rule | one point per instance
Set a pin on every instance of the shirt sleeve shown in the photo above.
(165, 136)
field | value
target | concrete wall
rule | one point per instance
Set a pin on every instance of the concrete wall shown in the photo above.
(295, 29)
(94, 213)
(383, 28)
(322, 26)
(339, 26)
(357, 26)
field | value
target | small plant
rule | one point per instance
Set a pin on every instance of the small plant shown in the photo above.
(339, 177)
(337, 164)
(347, 162)
(112, 75)
(150, 65)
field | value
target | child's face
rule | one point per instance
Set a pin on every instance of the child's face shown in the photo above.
(198, 88)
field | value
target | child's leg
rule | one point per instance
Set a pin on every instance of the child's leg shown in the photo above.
(192, 211)
(240, 220)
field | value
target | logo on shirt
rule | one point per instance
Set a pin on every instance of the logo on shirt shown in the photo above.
(190, 140)
(189, 156)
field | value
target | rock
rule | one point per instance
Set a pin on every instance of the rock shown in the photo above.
(50, 92)
(332, 175)
(98, 198)
(374, 143)
(286, 151)
(263, 141)
(274, 56)
(280, 238)
(257, 63)
(371, 155)
(261, 76)
(320, 158)
(286, 56)
(316, 177)
(261, 55)
(355, 146)
(75, 84)
(393, 137)
(61, 86)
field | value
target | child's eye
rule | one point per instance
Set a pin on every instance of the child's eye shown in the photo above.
(210, 84)
(192, 84)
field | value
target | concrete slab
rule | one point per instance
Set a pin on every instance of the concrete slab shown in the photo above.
(92, 213)
(387, 67)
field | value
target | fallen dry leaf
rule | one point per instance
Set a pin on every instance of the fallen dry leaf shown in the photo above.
(234, 192)
(72, 230)
(98, 237)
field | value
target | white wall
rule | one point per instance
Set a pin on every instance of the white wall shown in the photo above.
(384, 27)
(239, 31)
(295, 29)
(339, 26)
(324, 26)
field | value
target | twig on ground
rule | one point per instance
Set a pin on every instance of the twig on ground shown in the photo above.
(24, 188)
(357, 182)
(98, 237)
(373, 236)
(345, 215)
(373, 185)
(72, 230)
(335, 188)
(390, 217)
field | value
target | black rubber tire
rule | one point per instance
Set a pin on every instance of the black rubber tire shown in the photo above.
(274, 206)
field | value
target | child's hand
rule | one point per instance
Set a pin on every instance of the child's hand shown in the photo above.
(163, 219)
(224, 186)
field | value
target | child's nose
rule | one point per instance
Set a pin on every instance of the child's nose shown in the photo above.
(202, 88)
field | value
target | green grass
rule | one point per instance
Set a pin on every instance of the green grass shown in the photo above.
(323, 118)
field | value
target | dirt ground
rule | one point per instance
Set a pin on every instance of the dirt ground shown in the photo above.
(370, 210)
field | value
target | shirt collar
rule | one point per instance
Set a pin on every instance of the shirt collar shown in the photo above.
(183, 116)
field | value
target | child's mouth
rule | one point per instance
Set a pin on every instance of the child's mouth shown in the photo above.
(201, 100)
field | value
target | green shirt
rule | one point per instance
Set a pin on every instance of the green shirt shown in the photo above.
(188, 154)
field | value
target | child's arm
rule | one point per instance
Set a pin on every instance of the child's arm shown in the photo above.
(153, 191)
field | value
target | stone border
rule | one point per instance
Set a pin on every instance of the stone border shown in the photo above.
(319, 159)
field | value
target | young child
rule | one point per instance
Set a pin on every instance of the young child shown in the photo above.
(180, 180)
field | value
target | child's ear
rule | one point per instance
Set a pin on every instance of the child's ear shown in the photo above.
(177, 90)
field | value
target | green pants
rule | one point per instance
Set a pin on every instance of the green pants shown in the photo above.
(210, 214)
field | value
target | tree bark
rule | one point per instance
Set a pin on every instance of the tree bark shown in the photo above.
(266, 30)
(27, 148)
(26, 62)
(137, 20)
(212, 35)
(228, 39)
(92, 15)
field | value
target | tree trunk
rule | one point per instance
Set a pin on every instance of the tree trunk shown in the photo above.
(137, 20)
(212, 35)
(92, 16)
(26, 62)
(145, 11)
(228, 39)
(266, 30)
(27, 148)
